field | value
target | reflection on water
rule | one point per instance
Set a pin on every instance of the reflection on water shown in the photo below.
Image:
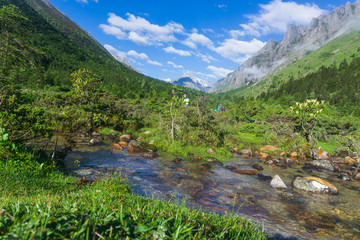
(285, 214)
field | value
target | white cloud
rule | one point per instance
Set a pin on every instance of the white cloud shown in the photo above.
(115, 31)
(238, 51)
(141, 31)
(222, 6)
(195, 39)
(155, 63)
(219, 72)
(276, 16)
(171, 49)
(174, 65)
(141, 56)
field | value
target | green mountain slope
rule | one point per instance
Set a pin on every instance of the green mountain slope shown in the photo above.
(61, 47)
(334, 55)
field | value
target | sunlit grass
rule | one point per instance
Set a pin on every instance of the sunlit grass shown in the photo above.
(49, 205)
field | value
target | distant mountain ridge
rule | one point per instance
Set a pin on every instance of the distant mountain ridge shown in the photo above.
(297, 42)
(190, 81)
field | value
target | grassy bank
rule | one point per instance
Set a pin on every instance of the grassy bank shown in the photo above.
(39, 202)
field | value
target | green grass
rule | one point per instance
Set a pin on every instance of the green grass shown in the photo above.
(330, 147)
(250, 138)
(38, 204)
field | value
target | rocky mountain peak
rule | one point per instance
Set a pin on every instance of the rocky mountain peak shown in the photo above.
(297, 40)
(189, 80)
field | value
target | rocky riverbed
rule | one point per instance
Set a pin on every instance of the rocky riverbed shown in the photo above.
(291, 196)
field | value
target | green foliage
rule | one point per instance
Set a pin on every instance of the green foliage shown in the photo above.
(306, 113)
(85, 85)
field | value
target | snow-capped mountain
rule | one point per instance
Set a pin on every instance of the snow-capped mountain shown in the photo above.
(189, 80)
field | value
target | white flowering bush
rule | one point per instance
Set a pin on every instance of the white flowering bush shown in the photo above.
(306, 113)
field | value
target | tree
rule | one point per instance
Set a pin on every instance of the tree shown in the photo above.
(85, 84)
(13, 51)
(306, 113)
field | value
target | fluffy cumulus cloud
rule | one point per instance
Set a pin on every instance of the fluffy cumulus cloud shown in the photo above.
(171, 49)
(174, 65)
(276, 16)
(238, 51)
(196, 39)
(141, 31)
(219, 71)
(141, 56)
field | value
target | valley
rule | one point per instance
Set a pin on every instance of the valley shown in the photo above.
(91, 148)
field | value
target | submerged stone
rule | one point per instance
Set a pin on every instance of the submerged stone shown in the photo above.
(323, 164)
(245, 172)
(257, 167)
(314, 184)
(264, 177)
(277, 182)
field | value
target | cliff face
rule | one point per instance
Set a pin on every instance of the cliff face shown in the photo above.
(296, 42)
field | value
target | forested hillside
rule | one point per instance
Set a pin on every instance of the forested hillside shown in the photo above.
(340, 86)
(52, 47)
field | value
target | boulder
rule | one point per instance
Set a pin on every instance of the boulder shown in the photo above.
(148, 146)
(246, 152)
(124, 144)
(350, 161)
(347, 160)
(264, 156)
(357, 177)
(319, 154)
(134, 147)
(94, 141)
(314, 184)
(117, 146)
(277, 182)
(323, 164)
(234, 150)
(125, 138)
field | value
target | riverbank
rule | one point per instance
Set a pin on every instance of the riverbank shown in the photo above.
(38, 201)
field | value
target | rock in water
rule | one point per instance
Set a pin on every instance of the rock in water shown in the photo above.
(323, 164)
(314, 184)
(319, 154)
(277, 182)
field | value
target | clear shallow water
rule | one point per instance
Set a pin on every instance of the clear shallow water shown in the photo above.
(285, 214)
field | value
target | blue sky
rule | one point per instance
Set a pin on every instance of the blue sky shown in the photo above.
(209, 38)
